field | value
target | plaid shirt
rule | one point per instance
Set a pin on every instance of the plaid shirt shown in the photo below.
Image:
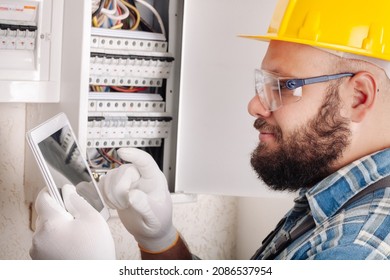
(359, 231)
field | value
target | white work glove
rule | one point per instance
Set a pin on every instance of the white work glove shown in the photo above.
(81, 233)
(139, 192)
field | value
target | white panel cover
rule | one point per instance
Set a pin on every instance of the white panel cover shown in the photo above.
(216, 134)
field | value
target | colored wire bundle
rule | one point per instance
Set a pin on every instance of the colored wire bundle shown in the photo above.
(97, 88)
(128, 89)
(106, 158)
(122, 14)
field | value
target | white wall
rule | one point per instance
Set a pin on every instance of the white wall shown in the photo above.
(215, 131)
(15, 236)
(256, 218)
(208, 225)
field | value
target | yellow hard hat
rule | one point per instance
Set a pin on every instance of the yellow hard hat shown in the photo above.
(353, 26)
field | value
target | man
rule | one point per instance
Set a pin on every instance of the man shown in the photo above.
(321, 110)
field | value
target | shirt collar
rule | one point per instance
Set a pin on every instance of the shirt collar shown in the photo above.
(329, 195)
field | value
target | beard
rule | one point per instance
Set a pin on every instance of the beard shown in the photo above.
(306, 156)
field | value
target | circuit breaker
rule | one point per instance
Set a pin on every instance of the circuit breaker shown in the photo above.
(18, 26)
(30, 50)
(128, 69)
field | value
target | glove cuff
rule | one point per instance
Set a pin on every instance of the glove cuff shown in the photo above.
(176, 239)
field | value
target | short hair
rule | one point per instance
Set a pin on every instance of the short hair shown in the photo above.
(347, 62)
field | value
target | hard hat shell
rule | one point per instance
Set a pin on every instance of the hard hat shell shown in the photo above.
(354, 26)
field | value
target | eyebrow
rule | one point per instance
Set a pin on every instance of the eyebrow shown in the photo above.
(279, 73)
(283, 75)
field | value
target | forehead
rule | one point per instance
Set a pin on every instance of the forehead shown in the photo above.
(291, 59)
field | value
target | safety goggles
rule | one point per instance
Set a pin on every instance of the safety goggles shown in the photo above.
(274, 91)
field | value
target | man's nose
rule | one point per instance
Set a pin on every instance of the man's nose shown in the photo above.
(257, 109)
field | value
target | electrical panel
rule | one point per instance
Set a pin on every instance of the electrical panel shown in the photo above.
(128, 70)
(18, 26)
(167, 84)
(30, 50)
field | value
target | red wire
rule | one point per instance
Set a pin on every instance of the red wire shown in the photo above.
(119, 13)
(110, 157)
(130, 89)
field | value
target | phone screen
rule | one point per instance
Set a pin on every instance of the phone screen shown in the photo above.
(67, 166)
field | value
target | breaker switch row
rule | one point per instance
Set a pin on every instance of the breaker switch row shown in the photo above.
(103, 130)
(104, 43)
(131, 70)
(17, 38)
(125, 106)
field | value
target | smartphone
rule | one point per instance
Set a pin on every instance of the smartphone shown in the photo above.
(58, 155)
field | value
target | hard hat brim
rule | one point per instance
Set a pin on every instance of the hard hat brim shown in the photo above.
(270, 37)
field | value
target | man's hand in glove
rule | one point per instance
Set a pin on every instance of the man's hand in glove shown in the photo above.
(79, 233)
(139, 192)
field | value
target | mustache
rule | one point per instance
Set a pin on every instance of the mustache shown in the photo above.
(261, 124)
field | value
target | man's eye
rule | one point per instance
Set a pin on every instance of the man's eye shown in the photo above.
(282, 84)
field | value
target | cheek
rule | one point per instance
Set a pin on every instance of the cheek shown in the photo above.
(345, 111)
(346, 105)
(295, 115)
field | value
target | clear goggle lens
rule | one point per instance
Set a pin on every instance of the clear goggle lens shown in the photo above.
(272, 91)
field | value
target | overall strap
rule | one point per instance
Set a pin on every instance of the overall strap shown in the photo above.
(286, 239)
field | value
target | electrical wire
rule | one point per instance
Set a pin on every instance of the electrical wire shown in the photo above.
(95, 21)
(107, 154)
(97, 88)
(96, 162)
(98, 9)
(119, 14)
(105, 10)
(137, 14)
(156, 14)
(128, 89)
(132, 18)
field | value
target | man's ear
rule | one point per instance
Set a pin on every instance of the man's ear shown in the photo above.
(365, 89)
